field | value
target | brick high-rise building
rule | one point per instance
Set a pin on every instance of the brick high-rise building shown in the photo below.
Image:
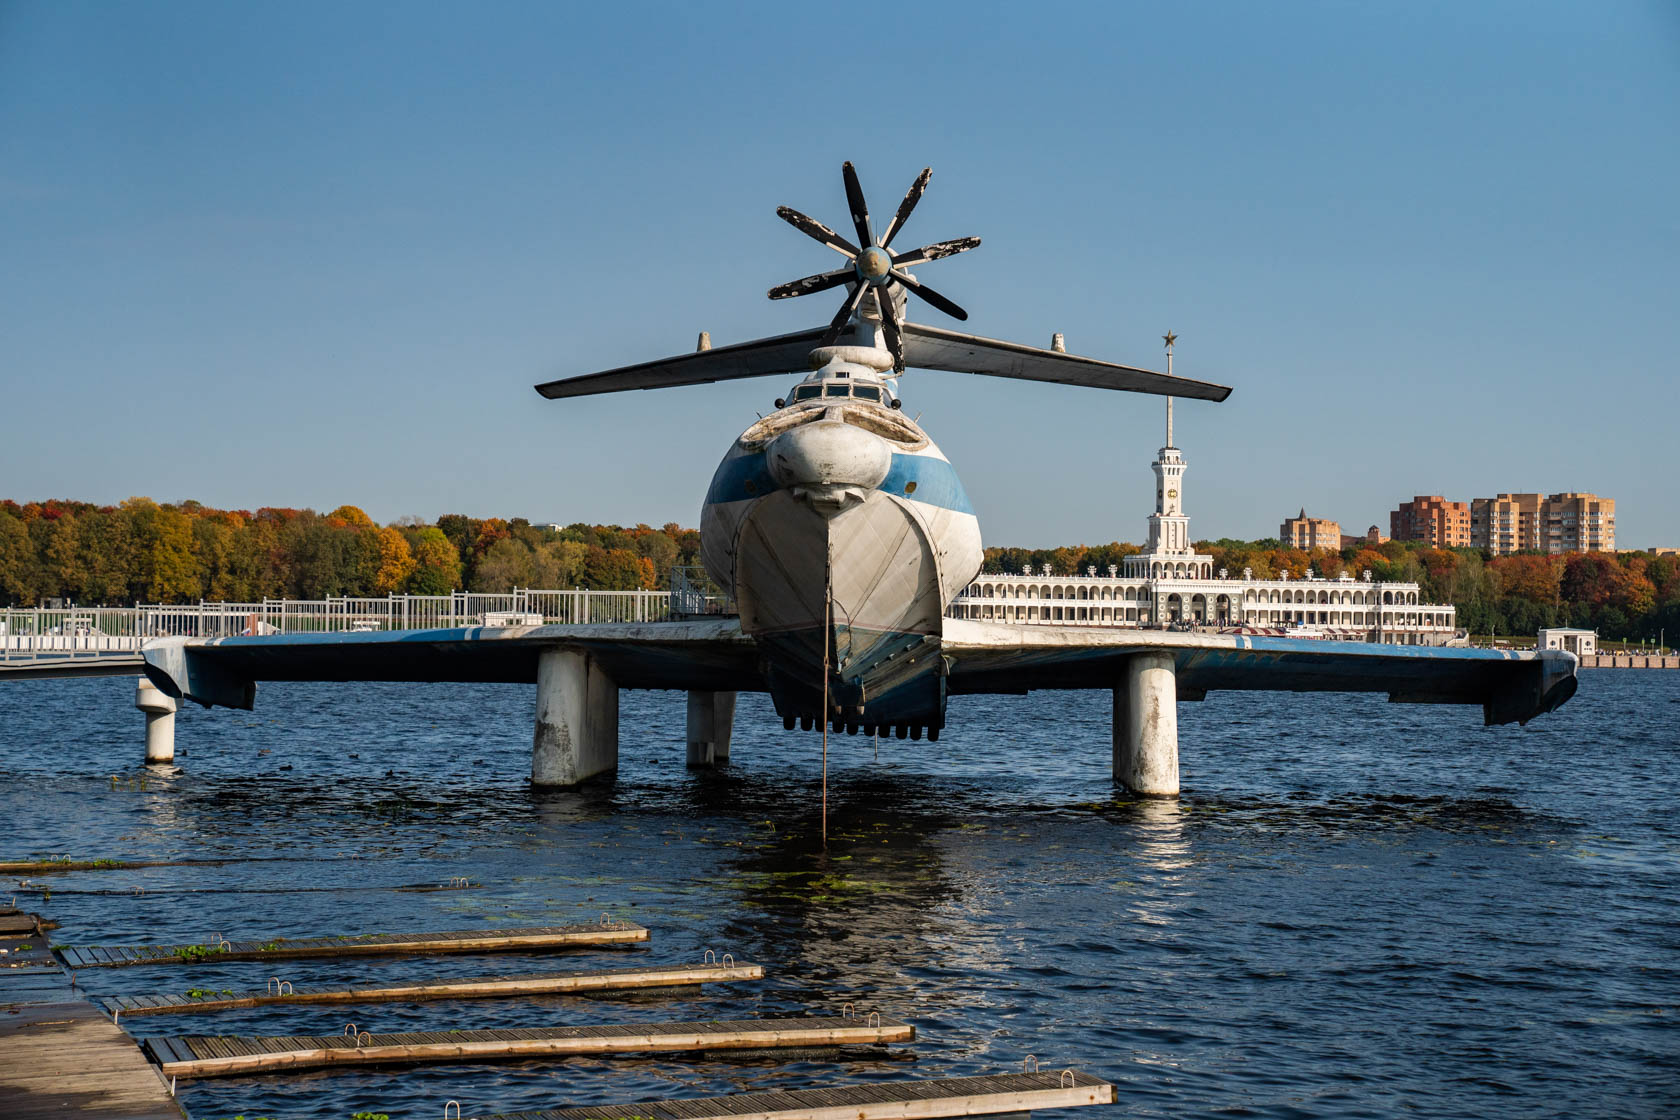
(1578, 523)
(1306, 532)
(1431, 519)
(1567, 522)
(1506, 524)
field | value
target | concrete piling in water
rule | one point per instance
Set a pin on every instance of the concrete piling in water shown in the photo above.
(160, 722)
(576, 735)
(1146, 725)
(711, 722)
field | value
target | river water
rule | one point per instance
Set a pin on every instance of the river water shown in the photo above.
(1356, 909)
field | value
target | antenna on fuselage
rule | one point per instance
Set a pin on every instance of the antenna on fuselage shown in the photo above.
(828, 638)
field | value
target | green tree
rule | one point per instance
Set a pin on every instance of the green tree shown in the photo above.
(214, 542)
(166, 570)
(319, 561)
(19, 570)
(506, 564)
(616, 569)
(58, 558)
(106, 541)
(559, 564)
(437, 563)
(395, 560)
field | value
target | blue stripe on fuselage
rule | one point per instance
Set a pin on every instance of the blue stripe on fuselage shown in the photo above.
(922, 478)
(747, 476)
(741, 478)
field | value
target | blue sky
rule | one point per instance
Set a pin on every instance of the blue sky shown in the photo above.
(309, 254)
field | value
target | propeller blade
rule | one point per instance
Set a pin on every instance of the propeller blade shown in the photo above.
(911, 197)
(935, 251)
(840, 320)
(821, 282)
(889, 327)
(929, 294)
(813, 228)
(860, 208)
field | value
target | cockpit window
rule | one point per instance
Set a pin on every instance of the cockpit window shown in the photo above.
(867, 393)
(835, 389)
(807, 392)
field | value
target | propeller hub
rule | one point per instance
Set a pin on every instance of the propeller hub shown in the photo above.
(874, 264)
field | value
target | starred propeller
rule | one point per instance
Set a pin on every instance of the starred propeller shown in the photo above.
(875, 266)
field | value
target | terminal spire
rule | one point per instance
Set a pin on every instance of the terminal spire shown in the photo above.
(1169, 338)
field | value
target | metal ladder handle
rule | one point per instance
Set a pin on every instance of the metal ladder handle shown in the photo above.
(1033, 1058)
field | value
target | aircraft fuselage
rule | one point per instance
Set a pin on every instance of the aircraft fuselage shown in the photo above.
(843, 533)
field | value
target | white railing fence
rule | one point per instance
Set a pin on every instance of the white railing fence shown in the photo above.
(31, 632)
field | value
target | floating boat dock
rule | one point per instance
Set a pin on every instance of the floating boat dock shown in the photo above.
(62, 1057)
(229, 1055)
(367, 945)
(652, 978)
(897, 1100)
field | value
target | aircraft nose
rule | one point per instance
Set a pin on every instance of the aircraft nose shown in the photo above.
(829, 463)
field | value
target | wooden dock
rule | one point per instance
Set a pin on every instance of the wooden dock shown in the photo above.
(224, 1056)
(894, 1100)
(652, 978)
(366, 945)
(62, 1058)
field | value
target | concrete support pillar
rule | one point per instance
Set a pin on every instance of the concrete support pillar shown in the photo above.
(711, 721)
(160, 722)
(577, 720)
(1146, 725)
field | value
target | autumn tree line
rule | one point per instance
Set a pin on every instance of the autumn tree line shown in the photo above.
(144, 551)
(1629, 596)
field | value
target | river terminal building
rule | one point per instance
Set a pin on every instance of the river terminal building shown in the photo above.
(1169, 584)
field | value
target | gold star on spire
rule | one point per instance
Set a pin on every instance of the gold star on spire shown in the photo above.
(1169, 338)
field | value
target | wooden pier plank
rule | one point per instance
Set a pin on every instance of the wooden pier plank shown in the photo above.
(380, 944)
(897, 1100)
(66, 1059)
(212, 1056)
(578, 982)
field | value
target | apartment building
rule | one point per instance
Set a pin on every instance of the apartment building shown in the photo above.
(1302, 531)
(1567, 522)
(1579, 523)
(1433, 520)
(1507, 523)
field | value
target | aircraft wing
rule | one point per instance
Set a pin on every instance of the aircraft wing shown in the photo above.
(937, 348)
(982, 657)
(71, 665)
(924, 348)
(706, 655)
(781, 354)
(1510, 686)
